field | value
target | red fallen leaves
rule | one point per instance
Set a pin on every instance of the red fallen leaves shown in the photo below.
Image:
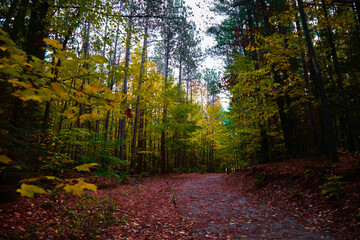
(142, 209)
(221, 213)
(147, 209)
(295, 186)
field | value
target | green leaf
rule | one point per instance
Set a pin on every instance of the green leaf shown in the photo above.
(99, 59)
(29, 190)
(86, 167)
(5, 159)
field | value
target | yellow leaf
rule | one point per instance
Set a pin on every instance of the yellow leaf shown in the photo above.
(60, 185)
(85, 117)
(34, 97)
(29, 180)
(96, 85)
(19, 58)
(78, 188)
(86, 167)
(60, 93)
(89, 186)
(71, 112)
(51, 178)
(58, 89)
(29, 190)
(92, 89)
(96, 116)
(20, 84)
(99, 59)
(53, 43)
(5, 159)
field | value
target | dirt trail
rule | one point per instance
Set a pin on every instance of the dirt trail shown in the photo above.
(219, 212)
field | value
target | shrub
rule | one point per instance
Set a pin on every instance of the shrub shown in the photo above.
(86, 218)
(334, 187)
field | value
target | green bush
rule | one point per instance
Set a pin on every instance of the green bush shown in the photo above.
(307, 173)
(334, 187)
(144, 174)
(259, 178)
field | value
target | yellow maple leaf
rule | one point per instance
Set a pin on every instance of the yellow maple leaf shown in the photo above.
(57, 87)
(86, 167)
(78, 188)
(88, 89)
(5, 159)
(19, 58)
(96, 87)
(29, 180)
(53, 43)
(27, 190)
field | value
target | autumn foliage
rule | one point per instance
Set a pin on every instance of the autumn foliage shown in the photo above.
(116, 89)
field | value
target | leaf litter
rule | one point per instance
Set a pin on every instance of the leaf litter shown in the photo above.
(181, 206)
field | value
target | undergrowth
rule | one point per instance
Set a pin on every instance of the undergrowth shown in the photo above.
(86, 218)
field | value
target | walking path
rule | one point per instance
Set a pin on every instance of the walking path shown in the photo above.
(220, 213)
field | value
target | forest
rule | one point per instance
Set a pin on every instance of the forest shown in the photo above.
(117, 88)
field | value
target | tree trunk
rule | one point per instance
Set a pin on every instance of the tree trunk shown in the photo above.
(143, 59)
(9, 15)
(127, 62)
(177, 154)
(46, 120)
(187, 82)
(308, 86)
(81, 106)
(111, 85)
(97, 123)
(163, 133)
(349, 125)
(264, 144)
(86, 66)
(330, 142)
(18, 30)
(141, 142)
(37, 29)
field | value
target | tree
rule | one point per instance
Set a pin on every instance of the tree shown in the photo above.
(330, 142)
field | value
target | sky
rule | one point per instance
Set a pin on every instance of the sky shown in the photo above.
(204, 18)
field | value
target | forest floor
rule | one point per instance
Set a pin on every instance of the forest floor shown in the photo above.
(221, 213)
(270, 201)
(324, 196)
